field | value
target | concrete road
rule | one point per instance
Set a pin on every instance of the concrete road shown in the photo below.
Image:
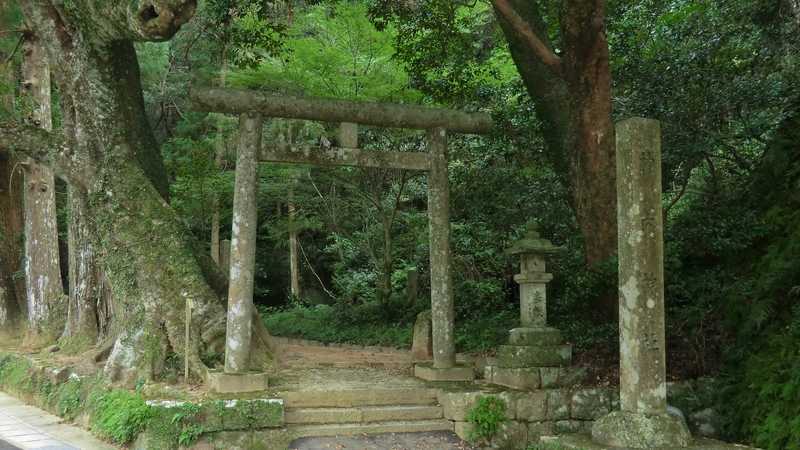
(437, 440)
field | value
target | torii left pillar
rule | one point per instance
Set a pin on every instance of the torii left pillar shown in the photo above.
(444, 367)
(237, 377)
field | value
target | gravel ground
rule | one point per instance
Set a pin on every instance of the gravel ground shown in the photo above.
(437, 440)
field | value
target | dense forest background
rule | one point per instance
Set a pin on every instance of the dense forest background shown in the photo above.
(722, 77)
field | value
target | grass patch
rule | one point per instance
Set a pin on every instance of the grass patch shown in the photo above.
(367, 325)
(118, 415)
(322, 323)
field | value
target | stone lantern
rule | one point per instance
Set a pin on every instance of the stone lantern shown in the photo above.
(533, 278)
(535, 353)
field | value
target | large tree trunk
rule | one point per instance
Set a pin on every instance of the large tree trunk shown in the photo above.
(44, 290)
(573, 100)
(85, 276)
(111, 160)
(12, 287)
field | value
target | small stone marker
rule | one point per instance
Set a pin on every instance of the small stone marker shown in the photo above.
(534, 346)
(643, 421)
(348, 135)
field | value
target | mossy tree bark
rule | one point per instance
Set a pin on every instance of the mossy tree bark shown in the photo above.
(85, 275)
(12, 287)
(44, 289)
(110, 158)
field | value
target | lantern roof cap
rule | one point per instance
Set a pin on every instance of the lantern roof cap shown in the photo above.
(533, 243)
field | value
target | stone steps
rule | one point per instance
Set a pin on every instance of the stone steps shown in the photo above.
(352, 398)
(350, 429)
(364, 414)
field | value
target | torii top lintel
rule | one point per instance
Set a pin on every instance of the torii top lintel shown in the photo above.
(390, 115)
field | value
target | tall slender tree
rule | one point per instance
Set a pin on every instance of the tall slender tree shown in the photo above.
(44, 289)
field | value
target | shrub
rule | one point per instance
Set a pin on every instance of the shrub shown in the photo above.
(486, 416)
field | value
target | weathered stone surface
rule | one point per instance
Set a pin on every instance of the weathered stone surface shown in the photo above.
(222, 382)
(511, 435)
(567, 426)
(550, 376)
(348, 135)
(634, 430)
(243, 248)
(456, 405)
(464, 430)
(456, 373)
(442, 310)
(538, 429)
(532, 406)
(534, 336)
(558, 402)
(584, 442)
(530, 356)
(522, 378)
(641, 267)
(422, 344)
(590, 404)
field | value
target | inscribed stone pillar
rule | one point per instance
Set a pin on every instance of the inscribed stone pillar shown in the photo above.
(442, 313)
(643, 421)
(243, 246)
(641, 267)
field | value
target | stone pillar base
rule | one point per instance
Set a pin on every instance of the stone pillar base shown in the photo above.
(632, 430)
(231, 383)
(427, 372)
(514, 356)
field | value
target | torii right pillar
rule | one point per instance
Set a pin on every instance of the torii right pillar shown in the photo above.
(643, 421)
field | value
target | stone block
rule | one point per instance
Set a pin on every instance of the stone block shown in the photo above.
(252, 414)
(456, 405)
(522, 378)
(534, 336)
(550, 376)
(422, 343)
(567, 426)
(510, 398)
(538, 429)
(590, 404)
(558, 404)
(464, 430)
(230, 383)
(534, 356)
(456, 373)
(626, 429)
(532, 406)
(511, 435)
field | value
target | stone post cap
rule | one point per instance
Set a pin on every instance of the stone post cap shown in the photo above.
(533, 243)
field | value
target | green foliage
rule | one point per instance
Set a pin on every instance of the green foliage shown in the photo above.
(69, 398)
(486, 417)
(118, 415)
(334, 51)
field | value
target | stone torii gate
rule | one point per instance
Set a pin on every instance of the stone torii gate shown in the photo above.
(252, 107)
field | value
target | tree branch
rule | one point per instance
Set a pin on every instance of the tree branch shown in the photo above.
(44, 147)
(542, 51)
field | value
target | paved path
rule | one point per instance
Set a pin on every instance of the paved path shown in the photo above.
(28, 428)
(437, 440)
